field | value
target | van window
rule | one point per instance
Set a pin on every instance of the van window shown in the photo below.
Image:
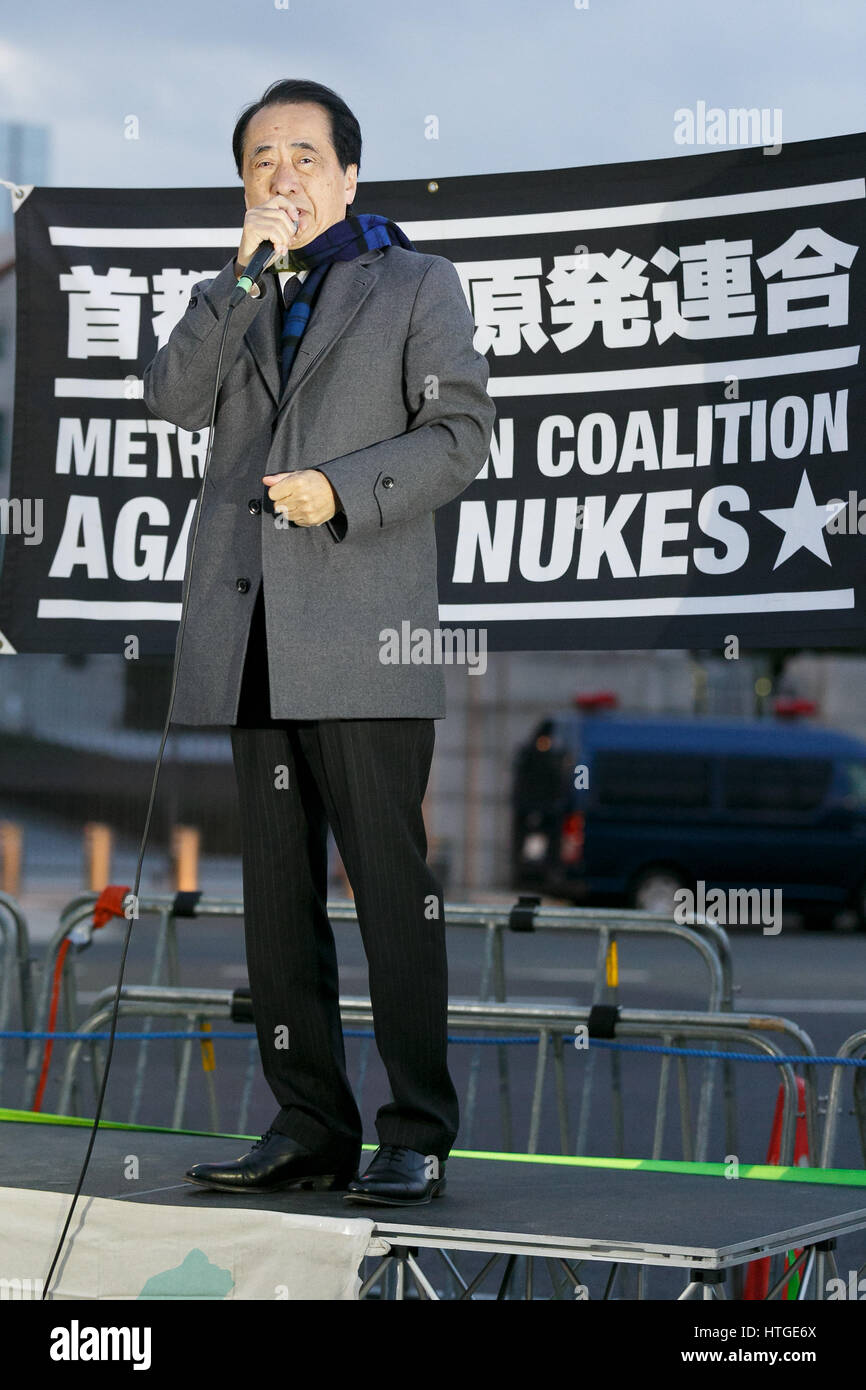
(775, 784)
(651, 779)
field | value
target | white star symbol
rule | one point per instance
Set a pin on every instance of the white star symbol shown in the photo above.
(803, 524)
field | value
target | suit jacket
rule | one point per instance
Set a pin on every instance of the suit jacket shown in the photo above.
(387, 397)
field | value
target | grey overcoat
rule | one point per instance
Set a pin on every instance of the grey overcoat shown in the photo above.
(387, 396)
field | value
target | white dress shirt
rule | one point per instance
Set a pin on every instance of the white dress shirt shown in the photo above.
(283, 276)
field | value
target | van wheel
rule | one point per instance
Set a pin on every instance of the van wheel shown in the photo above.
(654, 889)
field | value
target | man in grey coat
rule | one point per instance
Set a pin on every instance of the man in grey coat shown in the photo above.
(352, 404)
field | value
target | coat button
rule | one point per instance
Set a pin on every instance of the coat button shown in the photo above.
(242, 585)
(387, 482)
(254, 505)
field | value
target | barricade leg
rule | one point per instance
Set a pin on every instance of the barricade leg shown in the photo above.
(537, 1092)
(561, 1092)
(705, 1103)
(252, 1071)
(502, 1062)
(662, 1099)
(685, 1106)
(860, 1107)
(618, 1104)
(147, 1023)
(467, 1120)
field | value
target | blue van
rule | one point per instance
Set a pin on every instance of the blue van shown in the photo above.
(609, 809)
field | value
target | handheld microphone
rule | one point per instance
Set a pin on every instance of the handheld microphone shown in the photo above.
(259, 260)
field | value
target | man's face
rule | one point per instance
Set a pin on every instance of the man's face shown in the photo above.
(288, 150)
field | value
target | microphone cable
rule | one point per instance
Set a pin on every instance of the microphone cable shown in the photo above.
(252, 271)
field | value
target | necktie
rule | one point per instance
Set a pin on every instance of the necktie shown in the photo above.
(293, 284)
(290, 293)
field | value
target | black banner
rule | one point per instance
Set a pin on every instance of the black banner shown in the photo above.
(674, 351)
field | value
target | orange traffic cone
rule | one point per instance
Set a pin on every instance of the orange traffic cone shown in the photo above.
(758, 1276)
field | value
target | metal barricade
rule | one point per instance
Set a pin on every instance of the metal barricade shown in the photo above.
(761, 1033)
(15, 966)
(706, 939)
(851, 1047)
(76, 925)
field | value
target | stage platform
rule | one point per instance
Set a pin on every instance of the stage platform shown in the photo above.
(672, 1215)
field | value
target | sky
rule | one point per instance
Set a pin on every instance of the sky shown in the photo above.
(513, 86)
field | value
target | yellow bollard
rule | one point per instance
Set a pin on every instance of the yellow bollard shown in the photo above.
(611, 966)
(97, 856)
(11, 846)
(208, 1056)
(185, 841)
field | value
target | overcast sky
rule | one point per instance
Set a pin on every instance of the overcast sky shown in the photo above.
(514, 85)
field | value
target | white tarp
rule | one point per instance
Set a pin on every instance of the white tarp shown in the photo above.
(122, 1249)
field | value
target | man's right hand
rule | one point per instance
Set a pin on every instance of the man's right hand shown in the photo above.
(276, 221)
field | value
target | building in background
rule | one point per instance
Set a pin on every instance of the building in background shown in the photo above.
(24, 159)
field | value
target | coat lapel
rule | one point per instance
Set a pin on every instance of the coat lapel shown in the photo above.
(260, 336)
(343, 291)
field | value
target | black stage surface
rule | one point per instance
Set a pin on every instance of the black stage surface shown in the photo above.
(543, 1208)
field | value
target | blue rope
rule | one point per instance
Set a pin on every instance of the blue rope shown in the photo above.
(730, 1056)
(656, 1048)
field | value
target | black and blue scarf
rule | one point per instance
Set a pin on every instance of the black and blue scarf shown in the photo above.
(342, 241)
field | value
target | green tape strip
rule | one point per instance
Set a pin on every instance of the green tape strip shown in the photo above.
(37, 1118)
(763, 1172)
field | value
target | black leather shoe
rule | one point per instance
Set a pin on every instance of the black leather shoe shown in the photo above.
(276, 1163)
(398, 1177)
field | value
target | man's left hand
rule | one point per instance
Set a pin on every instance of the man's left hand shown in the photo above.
(305, 497)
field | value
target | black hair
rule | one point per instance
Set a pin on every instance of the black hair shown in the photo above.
(345, 130)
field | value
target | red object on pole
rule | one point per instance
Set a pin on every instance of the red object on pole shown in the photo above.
(109, 904)
(52, 1019)
(758, 1276)
(790, 707)
(590, 701)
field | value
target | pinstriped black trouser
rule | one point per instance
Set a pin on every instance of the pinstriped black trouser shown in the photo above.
(366, 778)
